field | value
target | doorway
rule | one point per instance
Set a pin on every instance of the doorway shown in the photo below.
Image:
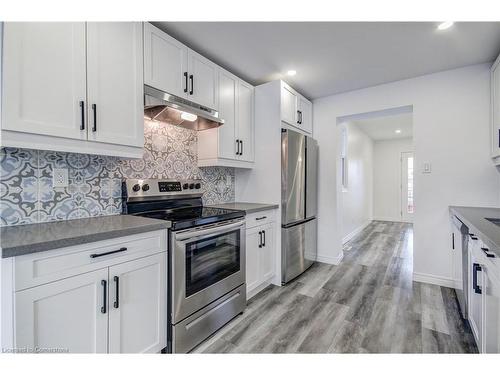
(407, 192)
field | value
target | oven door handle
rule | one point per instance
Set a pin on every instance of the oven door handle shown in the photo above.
(193, 234)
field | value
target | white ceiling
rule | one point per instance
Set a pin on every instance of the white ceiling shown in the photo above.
(384, 128)
(334, 57)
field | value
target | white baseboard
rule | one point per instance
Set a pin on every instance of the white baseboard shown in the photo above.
(330, 260)
(433, 279)
(355, 232)
(384, 218)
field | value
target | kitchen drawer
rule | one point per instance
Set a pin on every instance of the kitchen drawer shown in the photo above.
(44, 267)
(260, 218)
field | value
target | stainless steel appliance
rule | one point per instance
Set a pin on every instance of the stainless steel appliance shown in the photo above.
(206, 262)
(460, 260)
(299, 175)
(162, 106)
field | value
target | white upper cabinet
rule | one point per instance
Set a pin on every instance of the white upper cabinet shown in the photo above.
(495, 111)
(288, 104)
(228, 87)
(305, 115)
(44, 89)
(296, 110)
(165, 62)
(69, 314)
(246, 121)
(73, 86)
(202, 80)
(115, 83)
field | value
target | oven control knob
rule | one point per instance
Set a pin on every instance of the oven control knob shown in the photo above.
(145, 187)
(191, 186)
(185, 186)
(136, 187)
(197, 186)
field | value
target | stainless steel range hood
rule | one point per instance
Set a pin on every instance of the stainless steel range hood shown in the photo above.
(164, 107)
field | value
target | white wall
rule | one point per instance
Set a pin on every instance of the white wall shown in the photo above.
(387, 178)
(451, 131)
(357, 205)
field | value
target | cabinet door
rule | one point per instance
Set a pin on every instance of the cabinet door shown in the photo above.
(495, 108)
(165, 62)
(253, 242)
(64, 314)
(476, 296)
(202, 87)
(267, 252)
(44, 78)
(305, 117)
(137, 306)
(288, 105)
(115, 82)
(245, 121)
(456, 257)
(228, 86)
(491, 340)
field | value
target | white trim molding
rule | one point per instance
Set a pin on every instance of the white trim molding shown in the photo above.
(355, 232)
(433, 279)
(330, 260)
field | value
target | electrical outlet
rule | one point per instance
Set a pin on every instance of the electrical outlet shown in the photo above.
(60, 177)
(427, 168)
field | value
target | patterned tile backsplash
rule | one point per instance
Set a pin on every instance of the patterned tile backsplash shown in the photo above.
(28, 196)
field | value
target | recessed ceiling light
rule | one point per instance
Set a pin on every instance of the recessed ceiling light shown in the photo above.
(397, 131)
(445, 25)
(291, 72)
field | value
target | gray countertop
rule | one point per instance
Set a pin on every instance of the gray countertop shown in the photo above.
(247, 207)
(475, 219)
(32, 238)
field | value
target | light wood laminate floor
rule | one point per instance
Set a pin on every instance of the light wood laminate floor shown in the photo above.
(367, 304)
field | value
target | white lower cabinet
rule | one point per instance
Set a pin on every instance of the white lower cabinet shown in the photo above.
(112, 302)
(475, 292)
(260, 257)
(64, 315)
(491, 295)
(137, 305)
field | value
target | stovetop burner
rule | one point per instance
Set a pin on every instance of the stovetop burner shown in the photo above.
(176, 201)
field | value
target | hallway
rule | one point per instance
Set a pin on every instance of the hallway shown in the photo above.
(367, 304)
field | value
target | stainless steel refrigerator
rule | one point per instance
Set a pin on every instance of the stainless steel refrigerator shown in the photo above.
(299, 181)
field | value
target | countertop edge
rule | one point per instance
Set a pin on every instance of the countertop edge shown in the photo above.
(79, 240)
(248, 210)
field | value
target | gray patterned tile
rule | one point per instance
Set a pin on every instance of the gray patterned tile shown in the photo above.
(94, 189)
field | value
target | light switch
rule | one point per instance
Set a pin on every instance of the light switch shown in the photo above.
(427, 168)
(60, 177)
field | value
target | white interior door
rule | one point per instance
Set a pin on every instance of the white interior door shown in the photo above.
(407, 198)
(44, 89)
(137, 306)
(65, 314)
(115, 82)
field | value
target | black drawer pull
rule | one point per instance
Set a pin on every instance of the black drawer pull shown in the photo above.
(116, 304)
(475, 268)
(261, 218)
(108, 253)
(486, 251)
(104, 284)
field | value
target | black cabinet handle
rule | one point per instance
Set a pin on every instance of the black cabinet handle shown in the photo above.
(260, 239)
(241, 151)
(116, 304)
(186, 81)
(487, 253)
(108, 253)
(453, 241)
(191, 78)
(261, 218)
(82, 114)
(472, 236)
(104, 284)
(298, 117)
(94, 110)
(475, 269)
(499, 138)
(264, 233)
(237, 147)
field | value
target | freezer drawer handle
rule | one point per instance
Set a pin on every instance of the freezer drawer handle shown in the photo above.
(475, 268)
(108, 253)
(487, 253)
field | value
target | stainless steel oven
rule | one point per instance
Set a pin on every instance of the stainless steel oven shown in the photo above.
(208, 277)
